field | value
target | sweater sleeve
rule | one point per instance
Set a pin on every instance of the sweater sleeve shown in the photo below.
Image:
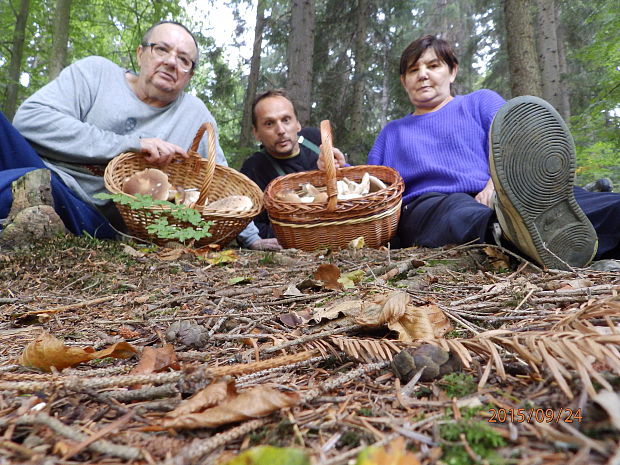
(489, 104)
(376, 155)
(52, 119)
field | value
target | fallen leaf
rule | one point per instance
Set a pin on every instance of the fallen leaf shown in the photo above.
(292, 290)
(347, 307)
(351, 279)
(270, 455)
(156, 359)
(497, 258)
(210, 396)
(170, 255)
(409, 321)
(254, 403)
(129, 250)
(225, 256)
(142, 299)
(291, 319)
(395, 453)
(239, 280)
(328, 274)
(357, 243)
(47, 351)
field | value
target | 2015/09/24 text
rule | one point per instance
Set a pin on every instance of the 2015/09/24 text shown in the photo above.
(538, 415)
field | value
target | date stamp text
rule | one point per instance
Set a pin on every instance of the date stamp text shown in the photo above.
(538, 415)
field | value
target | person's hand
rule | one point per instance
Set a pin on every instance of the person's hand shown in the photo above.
(339, 159)
(485, 196)
(265, 244)
(159, 152)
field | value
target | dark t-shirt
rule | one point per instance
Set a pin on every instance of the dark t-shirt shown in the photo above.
(260, 167)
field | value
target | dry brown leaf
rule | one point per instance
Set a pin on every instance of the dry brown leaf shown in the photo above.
(328, 274)
(395, 453)
(214, 394)
(411, 322)
(497, 258)
(347, 307)
(256, 402)
(294, 319)
(155, 359)
(47, 351)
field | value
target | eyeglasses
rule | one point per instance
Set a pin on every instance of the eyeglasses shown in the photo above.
(184, 62)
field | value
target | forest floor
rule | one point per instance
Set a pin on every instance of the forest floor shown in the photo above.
(539, 354)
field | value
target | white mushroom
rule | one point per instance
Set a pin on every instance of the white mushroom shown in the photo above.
(288, 195)
(232, 202)
(150, 181)
(376, 184)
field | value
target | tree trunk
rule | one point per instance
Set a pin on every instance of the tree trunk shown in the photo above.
(15, 66)
(522, 56)
(564, 96)
(548, 52)
(385, 90)
(250, 93)
(60, 37)
(360, 54)
(300, 57)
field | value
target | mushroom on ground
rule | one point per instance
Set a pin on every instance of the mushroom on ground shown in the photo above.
(150, 181)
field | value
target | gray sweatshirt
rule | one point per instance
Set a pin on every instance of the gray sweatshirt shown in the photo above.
(89, 114)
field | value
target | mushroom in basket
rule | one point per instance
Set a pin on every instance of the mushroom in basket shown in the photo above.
(154, 182)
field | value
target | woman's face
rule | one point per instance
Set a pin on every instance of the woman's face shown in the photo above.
(427, 82)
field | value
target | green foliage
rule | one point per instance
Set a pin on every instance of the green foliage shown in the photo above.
(599, 160)
(161, 225)
(458, 384)
(269, 455)
(482, 439)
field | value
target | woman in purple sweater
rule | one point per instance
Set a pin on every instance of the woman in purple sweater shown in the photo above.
(454, 193)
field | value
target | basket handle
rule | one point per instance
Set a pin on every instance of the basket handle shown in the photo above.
(212, 155)
(327, 153)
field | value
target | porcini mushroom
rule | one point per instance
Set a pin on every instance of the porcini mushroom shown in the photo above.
(150, 181)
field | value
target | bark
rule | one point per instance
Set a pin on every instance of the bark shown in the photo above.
(250, 93)
(60, 38)
(548, 52)
(361, 65)
(564, 95)
(300, 57)
(15, 65)
(385, 91)
(522, 55)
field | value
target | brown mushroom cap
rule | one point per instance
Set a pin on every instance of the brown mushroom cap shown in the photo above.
(150, 181)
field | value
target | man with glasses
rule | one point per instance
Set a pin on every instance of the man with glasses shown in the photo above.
(95, 110)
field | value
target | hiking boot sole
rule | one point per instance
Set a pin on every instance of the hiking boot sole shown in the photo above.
(532, 162)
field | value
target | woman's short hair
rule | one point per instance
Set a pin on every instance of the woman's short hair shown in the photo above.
(415, 49)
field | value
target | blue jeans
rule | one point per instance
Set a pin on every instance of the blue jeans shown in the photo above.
(436, 219)
(17, 157)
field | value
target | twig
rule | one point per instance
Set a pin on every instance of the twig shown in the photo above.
(101, 446)
(71, 306)
(199, 448)
(311, 337)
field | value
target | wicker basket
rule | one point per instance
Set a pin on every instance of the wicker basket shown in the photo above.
(335, 223)
(213, 181)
